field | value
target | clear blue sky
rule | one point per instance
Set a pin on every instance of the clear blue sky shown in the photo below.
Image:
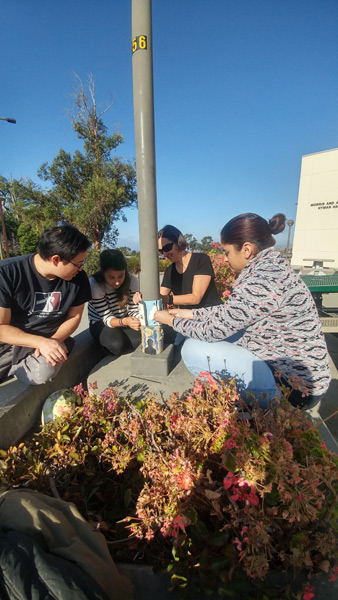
(242, 89)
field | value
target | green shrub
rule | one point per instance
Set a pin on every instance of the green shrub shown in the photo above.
(217, 496)
(163, 263)
(134, 263)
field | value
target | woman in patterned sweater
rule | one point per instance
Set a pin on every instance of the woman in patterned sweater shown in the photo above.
(113, 316)
(269, 329)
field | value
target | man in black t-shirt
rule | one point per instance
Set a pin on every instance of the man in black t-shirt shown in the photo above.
(42, 297)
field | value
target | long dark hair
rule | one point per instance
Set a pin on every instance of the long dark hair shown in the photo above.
(174, 235)
(114, 259)
(250, 227)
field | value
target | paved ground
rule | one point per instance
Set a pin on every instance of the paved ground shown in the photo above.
(329, 404)
(117, 373)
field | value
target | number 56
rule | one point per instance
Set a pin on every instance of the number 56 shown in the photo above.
(139, 43)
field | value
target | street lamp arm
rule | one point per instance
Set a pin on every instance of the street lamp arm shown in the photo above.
(8, 119)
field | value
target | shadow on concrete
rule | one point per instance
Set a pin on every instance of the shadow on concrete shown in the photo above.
(332, 346)
(329, 406)
(126, 387)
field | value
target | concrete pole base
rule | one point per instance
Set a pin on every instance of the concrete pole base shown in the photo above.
(154, 365)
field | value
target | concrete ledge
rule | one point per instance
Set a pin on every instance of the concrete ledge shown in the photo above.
(20, 404)
(314, 417)
(329, 324)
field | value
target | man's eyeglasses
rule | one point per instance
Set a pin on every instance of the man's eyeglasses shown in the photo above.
(80, 266)
(166, 248)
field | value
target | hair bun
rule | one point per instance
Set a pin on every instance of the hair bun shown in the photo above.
(277, 223)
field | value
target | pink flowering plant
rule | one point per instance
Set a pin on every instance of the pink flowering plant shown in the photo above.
(217, 494)
(224, 275)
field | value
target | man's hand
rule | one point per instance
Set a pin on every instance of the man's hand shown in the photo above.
(54, 352)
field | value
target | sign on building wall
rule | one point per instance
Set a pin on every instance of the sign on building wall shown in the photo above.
(316, 225)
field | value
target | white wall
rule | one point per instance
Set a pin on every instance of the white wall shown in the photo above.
(316, 225)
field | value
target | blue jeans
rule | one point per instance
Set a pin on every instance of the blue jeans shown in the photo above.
(227, 359)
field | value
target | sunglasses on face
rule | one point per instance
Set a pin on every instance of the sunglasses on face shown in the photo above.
(166, 248)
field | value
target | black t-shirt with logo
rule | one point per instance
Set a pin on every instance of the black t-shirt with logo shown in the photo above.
(38, 305)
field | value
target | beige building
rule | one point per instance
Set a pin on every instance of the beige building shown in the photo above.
(316, 225)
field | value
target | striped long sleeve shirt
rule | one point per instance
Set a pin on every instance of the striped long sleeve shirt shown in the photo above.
(105, 305)
(279, 319)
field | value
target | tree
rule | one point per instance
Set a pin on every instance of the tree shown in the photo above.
(28, 238)
(191, 241)
(28, 210)
(11, 221)
(206, 243)
(126, 251)
(90, 189)
(30, 204)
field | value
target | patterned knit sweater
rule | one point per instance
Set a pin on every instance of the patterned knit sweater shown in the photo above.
(104, 303)
(281, 325)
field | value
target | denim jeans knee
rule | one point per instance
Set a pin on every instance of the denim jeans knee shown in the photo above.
(228, 359)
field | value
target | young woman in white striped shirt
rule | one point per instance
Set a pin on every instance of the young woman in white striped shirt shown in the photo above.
(113, 315)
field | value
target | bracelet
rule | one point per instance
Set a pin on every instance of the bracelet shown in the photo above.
(171, 299)
(120, 322)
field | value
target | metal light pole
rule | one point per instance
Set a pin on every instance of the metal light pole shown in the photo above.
(145, 143)
(290, 222)
(146, 169)
(7, 119)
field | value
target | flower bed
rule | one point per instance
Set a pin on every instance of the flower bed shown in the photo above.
(216, 493)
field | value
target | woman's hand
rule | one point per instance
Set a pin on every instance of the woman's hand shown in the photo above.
(137, 297)
(132, 322)
(166, 317)
(163, 317)
(182, 313)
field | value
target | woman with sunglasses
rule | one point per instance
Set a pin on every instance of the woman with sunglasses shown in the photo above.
(112, 312)
(268, 332)
(189, 281)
